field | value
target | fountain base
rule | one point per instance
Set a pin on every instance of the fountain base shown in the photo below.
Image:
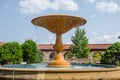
(59, 61)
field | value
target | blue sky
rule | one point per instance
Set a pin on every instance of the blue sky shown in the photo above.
(103, 19)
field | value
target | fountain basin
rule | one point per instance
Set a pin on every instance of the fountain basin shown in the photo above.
(75, 73)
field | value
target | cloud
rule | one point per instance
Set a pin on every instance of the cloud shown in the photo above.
(93, 16)
(108, 7)
(106, 36)
(109, 38)
(94, 33)
(91, 1)
(36, 6)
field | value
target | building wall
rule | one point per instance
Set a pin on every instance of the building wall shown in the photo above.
(47, 54)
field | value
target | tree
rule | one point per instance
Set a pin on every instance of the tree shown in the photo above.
(39, 56)
(1, 55)
(80, 44)
(112, 54)
(11, 53)
(29, 51)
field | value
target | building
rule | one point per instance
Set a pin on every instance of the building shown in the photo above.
(49, 52)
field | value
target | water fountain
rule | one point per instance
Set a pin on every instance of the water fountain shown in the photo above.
(58, 69)
(58, 24)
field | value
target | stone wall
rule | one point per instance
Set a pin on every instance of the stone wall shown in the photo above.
(60, 74)
(48, 53)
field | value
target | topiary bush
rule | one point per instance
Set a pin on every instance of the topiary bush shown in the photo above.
(30, 52)
(1, 56)
(11, 53)
(112, 55)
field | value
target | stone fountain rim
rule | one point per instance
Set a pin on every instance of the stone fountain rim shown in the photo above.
(57, 15)
(62, 69)
(68, 15)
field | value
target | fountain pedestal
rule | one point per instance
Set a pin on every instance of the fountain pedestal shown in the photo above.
(58, 24)
(59, 60)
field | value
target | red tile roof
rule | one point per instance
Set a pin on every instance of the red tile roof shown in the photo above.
(45, 46)
(67, 46)
(99, 46)
(1, 43)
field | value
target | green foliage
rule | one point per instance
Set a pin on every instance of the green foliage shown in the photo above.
(11, 53)
(112, 54)
(14, 53)
(39, 56)
(117, 63)
(1, 55)
(80, 44)
(68, 55)
(96, 56)
(29, 51)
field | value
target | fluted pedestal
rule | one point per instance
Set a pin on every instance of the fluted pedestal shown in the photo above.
(59, 60)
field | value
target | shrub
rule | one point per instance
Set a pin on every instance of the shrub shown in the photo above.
(68, 55)
(96, 56)
(112, 54)
(1, 55)
(11, 53)
(39, 56)
(29, 51)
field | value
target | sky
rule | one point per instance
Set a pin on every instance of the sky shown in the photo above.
(102, 27)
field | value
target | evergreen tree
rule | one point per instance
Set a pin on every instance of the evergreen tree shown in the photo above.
(80, 47)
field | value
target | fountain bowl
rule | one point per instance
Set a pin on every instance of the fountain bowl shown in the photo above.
(40, 72)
